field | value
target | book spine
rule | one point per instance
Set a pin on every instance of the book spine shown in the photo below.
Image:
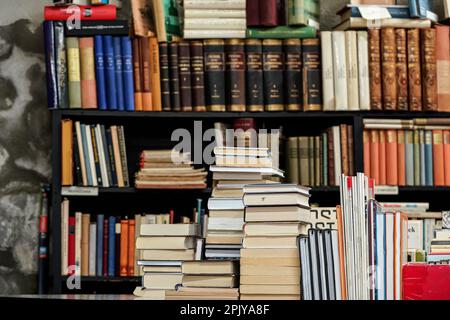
(124, 248)
(401, 70)
(293, 160)
(88, 83)
(389, 55)
(438, 158)
(110, 74)
(197, 76)
(61, 64)
(429, 158)
(423, 169)
(111, 246)
(85, 220)
(337, 154)
(99, 262)
(446, 137)
(331, 170)
(312, 84)
(311, 162)
(106, 155)
(214, 4)
(215, 74)
(235, 75)
(352, 70)
(78, 253)
(137, 73)
(252, 10)
(118, 237)
(344, 150)
(109, 141)
(293, 74)
(146, 74)
(375, 69)
(128, 78)
(81, 156)
(273, 64)
(165, 76)
(155, 74)
(325, 162)
(184, 69)
(303, 156)
(327, 71)
(443, 67)
(50, 64)
(78, 177)
(67, 152)
(340, 71)
(367, 156)
(268, 13)
(174, 77)
(123, 155)
(375, 155)
(105, 247)
(401, 149)
(131, 246)
(100, 73)
(96, 155)
(118, 67)
(351, 151)
(429, 74)
(317, 167)
(254, 75)
(101, 156)
(90, 158)
(391, 158)
(73, 72)
(409, 154)
(105, 12)
(87, 161)
(92, 249)
(282, 32)
(363, 70)
(414, 72)
(71, 246)
(416, 158)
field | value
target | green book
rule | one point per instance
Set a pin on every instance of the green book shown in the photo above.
(282, 32)
(304, 13)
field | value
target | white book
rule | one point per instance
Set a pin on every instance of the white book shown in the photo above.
(336, 265)
(447, 8)
(399, 234)
(363, 71)
(137, 229)
(340, 71)
(92, 249)
(337, 153)
(327, 71)
(380, 256)
(215, 24)
(352, 70)
(390, 271)
(415, 235)
(101, 156)
(213, 34)
(214, 4)
(81, 153)
(65, 237)
(91, 155)
(214, 13)
(78, 216)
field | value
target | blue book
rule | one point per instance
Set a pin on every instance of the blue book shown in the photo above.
(419, 8)
(128, 79)
(110, 75)
(409, 155)
(100, 73)
(87, 161)
(396, 12)
(50, 65)
(429, 158)
(118, 72)
(380, 255)
(99, 263)
(423, 175)
(112, 247)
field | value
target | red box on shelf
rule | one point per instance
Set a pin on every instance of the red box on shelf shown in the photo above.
(426, 282)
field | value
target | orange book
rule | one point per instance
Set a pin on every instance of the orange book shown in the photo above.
(340, 227)
(382, 157)
(146, 74)
(124, 248)
(137, 68)
(401, 158)
(155, 75)
(85, 221)
(447, 157)
(366, 140)
(443, 67)
(391, 158)
(131, 246)
(67, 152)
(375, 155)
(88, 83)
(438, 158)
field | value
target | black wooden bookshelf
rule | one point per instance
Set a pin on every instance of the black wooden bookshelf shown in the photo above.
(153, 130)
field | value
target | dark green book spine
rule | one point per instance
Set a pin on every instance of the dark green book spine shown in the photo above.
(254, 76)
(184, 65)
(293, 74)
(214, 51)
(61, 64)
(165, 76)
(174, 77)
(273, 62)
(198, 76)
(235, 75)
(312, 77)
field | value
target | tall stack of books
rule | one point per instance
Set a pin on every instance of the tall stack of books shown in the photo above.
(275, 215)
(208, 280)
(169, 169)
(162, 248)
(214, 19)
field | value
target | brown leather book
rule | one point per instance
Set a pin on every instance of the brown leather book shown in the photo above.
(429, 71)
(214, 51)
(389, 58)
(273, 74)
(235, 74)
(175, 101)
(344, 149)
(155, 75)
(198, 76)
(331, 171)
(376, 102)
(88, 83)
(146, 74)
(165, 76)
(401, 70)
(254, 76)
(124, 247)
(414, 72)
(85, 221)
(312, 76)
(351, 151)
(443, 67)
(293, 74)
(184, 67)
(131, 246)
(66, 152)
(137, 68)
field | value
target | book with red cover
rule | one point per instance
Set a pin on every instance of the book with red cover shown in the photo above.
(375, 156)
(106, 12)
(253, 13)
(367, 159)
(105, 246)
(131, 246)
(71, 249)
(268, 13)
(426, 282)
(124, 228)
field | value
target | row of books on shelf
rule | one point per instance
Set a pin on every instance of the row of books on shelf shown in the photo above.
(93, 155)
(320, 160)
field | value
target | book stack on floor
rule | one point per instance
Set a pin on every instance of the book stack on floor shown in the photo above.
(275, 215)
(214, 19)
(208, 280)
(162, 248)
(93, 155)
(320, 160)
(168, 169)
(235, 168)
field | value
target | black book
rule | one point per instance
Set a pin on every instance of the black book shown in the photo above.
(214, 51)
(184, 64)
(117, 247)
(107, 158)
(96, 156)
(165, 76)
(293, 74)
(77, 163)
(273, 62)
(61, 65)
(111, 158)
(254, 75)
(174, 77)
(235, 74)
(312, 79)
(89, 28)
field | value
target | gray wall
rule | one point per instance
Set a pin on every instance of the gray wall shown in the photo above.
(25, 135)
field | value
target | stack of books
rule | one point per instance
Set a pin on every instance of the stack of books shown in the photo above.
(208, 280)
(214, 19)
(169, 169)
(162, 248)
(275, 215)
(440, 248)
(236, 167)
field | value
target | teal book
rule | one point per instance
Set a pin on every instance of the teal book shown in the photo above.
(282, 32)
(409, 155)
(429, 158)
(423, 178)
(303, 12)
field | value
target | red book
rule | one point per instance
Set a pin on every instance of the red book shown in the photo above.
(366, 139)
(426, 282)
(253, 13)
(131, 246)
(71, 249)
(268, 13)
(72, 13)
(383, 169)
(375, 156)
(105, 247)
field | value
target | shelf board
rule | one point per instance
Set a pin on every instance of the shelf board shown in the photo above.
(105, 279)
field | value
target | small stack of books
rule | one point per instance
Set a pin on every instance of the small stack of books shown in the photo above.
(208, 280)
(214, 19)
(162, 248)
(275, 216)
(440, 248)
(169, 169)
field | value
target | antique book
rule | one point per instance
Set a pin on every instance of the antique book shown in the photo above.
(293, 74)
(312, 79)
(165, 76)
(375, 155)
(137, 72)
(254, 75)
(146, 74)
(401, 158)
(214, 51)
(73, 72)
(198, 76)
(184, 69)
(85, 219)
(363, 70)
(443, 67)
(389, 56)
(293, 160)
(273, 64)
(367, 156)
(414, 71)
(438, 158)
(344, 149)
(175, 98)
(429, 71)
(382, 158)
(67, 152)
(155, 74)
(235, 75)
(268, 13)
(61, 64)
(303, 155)
(340, 71)
(375, 70)
(401, 70)
(327, 71)
(352, 70)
